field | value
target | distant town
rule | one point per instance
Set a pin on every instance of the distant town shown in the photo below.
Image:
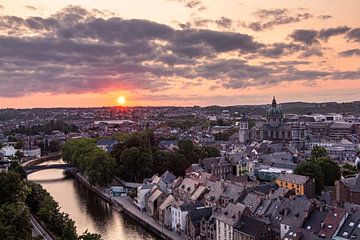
(277, 171)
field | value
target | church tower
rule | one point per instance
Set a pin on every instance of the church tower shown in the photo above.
(244, 130)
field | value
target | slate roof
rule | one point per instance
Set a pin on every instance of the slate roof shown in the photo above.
(332, 221)
(313, 223)
(351, 227)
(293, 178)
(168, 177)
(230, 215)
(249, 225)
(198, 213)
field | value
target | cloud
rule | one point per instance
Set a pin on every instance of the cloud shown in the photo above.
(192, 4)
(311, 37)
(30, 7)
(307, 37)
(278, 50)
(325, 34)
(224, 22)
(354, 35)
(269, 18)
(78, 50)
(2, 7)
(350, 53)
(324, 17)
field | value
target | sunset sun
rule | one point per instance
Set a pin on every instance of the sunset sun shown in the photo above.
(121, 100)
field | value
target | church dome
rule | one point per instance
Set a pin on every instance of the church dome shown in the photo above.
(274, 110)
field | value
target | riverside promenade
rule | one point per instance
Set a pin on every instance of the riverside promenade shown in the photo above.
(126, 205)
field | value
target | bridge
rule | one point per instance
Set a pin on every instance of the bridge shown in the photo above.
(36, 168)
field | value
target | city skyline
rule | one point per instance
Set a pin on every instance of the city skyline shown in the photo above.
(178, 52)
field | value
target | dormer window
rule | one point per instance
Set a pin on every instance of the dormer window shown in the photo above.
(351, 224)
(330, 226)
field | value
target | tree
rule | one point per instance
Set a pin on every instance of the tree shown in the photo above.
(311, 169)
(172, 161)
(17, 168)
(10, 187)
(318, 152)
(90, 236)
(19, 155)
(19, 145)
(15, 221)
(54, 146)
(187, 148)
(100, 168)
(330, 171)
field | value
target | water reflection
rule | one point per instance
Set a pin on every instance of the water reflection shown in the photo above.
(87, 210)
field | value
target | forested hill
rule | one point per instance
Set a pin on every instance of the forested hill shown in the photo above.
(295, 107)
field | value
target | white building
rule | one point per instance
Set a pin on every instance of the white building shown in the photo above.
(179, 211)
(8, 151)
(142, 191)
(226, 219)
(32, 152)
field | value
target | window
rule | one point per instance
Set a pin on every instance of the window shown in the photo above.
(351, 224)
(345, 234)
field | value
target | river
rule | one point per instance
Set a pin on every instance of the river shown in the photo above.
(87, 210)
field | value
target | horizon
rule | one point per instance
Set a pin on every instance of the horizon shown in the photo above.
(80, 54)
(177, 106)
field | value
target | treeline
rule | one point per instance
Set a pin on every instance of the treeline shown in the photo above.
(19, 198)
(45, 128)
(136, 157)
(90, 160)
(139, 157)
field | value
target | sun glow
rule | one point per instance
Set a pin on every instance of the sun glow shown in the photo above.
(121, 100)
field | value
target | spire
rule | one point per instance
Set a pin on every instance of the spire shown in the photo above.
(274, 102)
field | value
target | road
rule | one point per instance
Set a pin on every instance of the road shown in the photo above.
(38, 230)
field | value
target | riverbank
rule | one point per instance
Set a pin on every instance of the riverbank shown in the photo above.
(125, 205)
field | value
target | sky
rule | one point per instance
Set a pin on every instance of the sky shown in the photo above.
(84, 53)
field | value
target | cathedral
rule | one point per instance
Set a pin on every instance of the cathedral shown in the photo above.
(276, 129)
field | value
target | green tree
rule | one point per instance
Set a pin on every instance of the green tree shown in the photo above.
(172, 161)
(17, 168)
(90, 236)
(10, 186)
(54, 146)
(318, 152)
(187, 148)
(311, 169)
(19, 145)
(100, 168)
(330, 171)
(136, 164)
(19, 155)
(15, 221)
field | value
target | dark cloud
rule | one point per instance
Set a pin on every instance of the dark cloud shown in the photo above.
(325, 34)
(78, 50)
(30, 7)
(312, 51)
(224, 22)
(324, 17)
(354, 35)
(311, 37)
(307, 37)
(278, 50)
(350, 53)
(268, 18)
(193, 4)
